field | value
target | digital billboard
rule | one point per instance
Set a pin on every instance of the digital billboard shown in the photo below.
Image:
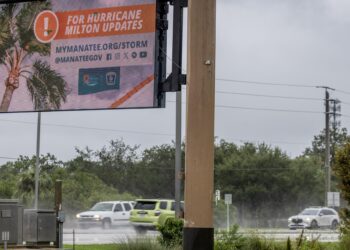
(78, 55)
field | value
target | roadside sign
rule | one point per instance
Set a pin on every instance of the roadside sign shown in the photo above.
(333, 199)
(228, 199)
(5, 236)
(83, 55)
(217, 195)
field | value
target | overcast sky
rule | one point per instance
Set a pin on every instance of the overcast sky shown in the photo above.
(302, 42)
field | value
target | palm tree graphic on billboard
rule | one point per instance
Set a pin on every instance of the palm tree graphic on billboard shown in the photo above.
(20, 54)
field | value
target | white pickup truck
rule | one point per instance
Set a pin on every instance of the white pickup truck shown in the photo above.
(105, 214)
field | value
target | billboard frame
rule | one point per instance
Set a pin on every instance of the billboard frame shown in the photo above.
(160, 60)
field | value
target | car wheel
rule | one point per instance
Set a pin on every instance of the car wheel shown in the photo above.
(140, 230)
(314, 224)
(106, 224)
(334, 224)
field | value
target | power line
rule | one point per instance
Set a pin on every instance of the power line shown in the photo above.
(273, 142)
(346, 103)
(270, 96)
(148, 133)
(90, 128)
(267, 83)
(7, 158)
(270, 109)
(256, 82)
(342, 91)
(265, 95)
(346, 116)
(265, 109)
(255, 169)
(278, 84)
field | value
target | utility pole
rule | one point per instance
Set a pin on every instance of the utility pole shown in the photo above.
(36, 199)
(199, 159)
(327, 142)
(336, 108)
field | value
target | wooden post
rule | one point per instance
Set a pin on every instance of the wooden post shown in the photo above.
(199, 172)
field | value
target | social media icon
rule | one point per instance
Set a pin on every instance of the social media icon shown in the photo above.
(143, 54)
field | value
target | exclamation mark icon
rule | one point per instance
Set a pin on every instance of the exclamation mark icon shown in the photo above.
(46, 26)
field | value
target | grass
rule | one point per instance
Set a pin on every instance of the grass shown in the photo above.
(93, 247)
(135, 244)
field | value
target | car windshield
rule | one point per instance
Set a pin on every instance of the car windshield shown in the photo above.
(145, 205)
(102, 207)
(309, 212)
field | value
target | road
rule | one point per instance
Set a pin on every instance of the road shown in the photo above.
(124, 232)
(96, 235)
(323, 235)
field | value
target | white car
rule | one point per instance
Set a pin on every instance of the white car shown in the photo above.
(105, 214)
(315, 217)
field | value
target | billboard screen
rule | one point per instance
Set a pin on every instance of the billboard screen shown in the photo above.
(78, 55)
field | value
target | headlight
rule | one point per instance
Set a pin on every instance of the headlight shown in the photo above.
(96, 216)
(289, 220)
(307, 219)
(78, 216)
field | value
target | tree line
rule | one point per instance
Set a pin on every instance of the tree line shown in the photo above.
(266, 184)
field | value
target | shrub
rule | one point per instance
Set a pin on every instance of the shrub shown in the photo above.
(341, 169)
(259, 243)
(142, 244)
(220, 215)
(226, 240)
(344, 243)
(171, 233)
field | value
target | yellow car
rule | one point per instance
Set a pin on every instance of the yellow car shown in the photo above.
(149, 213)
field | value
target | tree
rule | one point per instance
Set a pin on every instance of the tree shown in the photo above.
(338, 138)
(118, 165)
(19, 55)
(155, 173)
(342, 171)
(17, 179)
(266, 185)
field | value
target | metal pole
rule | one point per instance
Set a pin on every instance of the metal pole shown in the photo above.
(37, 162)
(228, 217)
(60, 230)
(5, 245)
(73, 239)
(177, 71)
(58, 209)
(178, 153)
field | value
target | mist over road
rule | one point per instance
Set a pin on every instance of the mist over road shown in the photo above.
(96, 235)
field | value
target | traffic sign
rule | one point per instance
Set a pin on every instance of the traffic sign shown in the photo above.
(5, 236)
(217, 194)
(228, 199)
(333, 199)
